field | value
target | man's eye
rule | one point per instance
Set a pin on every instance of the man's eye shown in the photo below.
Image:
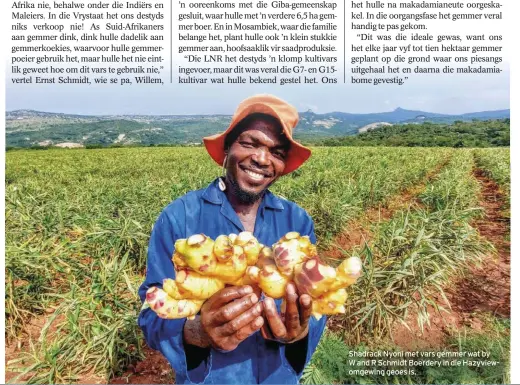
(280, 154)
(246, 144)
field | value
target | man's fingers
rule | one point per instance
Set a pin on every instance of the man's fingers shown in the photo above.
(305, 309)
(232, 310)
(266, 332)
(273, 319)
(227, 295)
(247, 330)
(292, 316)
(236, 324)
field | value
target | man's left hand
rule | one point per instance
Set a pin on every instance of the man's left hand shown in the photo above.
(293, 325)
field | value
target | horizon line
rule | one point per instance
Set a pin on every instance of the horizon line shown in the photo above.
(230, 114)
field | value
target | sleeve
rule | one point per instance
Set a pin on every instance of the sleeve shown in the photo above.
(166, 335)
(300, 353)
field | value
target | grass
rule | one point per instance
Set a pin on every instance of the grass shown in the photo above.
(497, 165)
(78, 224)
(415, 254)
(335, 362)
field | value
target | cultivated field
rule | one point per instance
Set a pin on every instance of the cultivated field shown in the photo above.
(78, 223)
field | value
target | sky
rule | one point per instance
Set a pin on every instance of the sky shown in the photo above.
(435, 94)
(450, 94)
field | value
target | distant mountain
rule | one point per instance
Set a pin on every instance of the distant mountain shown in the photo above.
(26, 128)
(498, 114)
(475, 133)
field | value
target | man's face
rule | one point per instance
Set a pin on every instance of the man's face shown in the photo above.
(256, 159)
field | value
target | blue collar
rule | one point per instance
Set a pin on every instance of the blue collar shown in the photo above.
(213, 195)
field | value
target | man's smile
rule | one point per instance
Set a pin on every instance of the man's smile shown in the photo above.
(256, 175)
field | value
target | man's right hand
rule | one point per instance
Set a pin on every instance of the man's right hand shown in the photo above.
(230, 316)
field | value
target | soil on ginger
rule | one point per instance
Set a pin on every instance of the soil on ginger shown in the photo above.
(484, 288)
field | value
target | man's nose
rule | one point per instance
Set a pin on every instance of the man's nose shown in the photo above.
(261, 157)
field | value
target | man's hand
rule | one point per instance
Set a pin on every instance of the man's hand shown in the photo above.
(230, 316)
(293, 325)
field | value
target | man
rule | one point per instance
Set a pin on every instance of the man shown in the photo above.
(238, 337)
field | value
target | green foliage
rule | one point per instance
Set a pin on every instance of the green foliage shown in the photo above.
(497, 165)
(489, 133)
(454, 187)
(337, 184)
(78, 224)
(416, 253)
(334, 361)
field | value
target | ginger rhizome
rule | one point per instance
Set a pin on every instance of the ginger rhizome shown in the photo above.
(295, 259)
(203, 267)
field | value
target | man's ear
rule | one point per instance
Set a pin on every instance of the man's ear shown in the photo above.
(225, 159)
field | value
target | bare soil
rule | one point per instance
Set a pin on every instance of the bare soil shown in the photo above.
(154, 369)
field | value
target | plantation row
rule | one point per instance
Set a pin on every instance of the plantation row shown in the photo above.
(410, 261)
(78, 223)
(417, 251)
(496, 163)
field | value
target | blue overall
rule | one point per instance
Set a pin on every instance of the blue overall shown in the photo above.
(255, 360)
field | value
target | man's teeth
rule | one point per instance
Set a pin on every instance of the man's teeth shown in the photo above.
(254, 175)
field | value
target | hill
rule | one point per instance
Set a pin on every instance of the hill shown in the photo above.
(27, 128)
(487, 133)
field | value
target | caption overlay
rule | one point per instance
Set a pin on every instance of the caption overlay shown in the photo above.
(411, 363)
(370, 43)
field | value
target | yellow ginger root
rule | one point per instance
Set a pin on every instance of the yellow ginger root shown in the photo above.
(265, 257)
(332, 302)
(198, 254)
(168, 307)
(347, 273)
(223, 248)
(269, 280)
(182, 297)
(294, 258)
(250, 245)
(291, 250)
(232, 270)
(313, 277)
(192, 285)
(171, 288)
(178, 261)
(251, 276)
(203, 267)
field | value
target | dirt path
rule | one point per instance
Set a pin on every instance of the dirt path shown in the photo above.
(488, 288)
(483, 289)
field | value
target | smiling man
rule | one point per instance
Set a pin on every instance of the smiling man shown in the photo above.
(239, 336)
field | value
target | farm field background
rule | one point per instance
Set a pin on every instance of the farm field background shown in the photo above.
(78, 223)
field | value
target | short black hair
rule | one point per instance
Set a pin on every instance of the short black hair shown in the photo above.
(245, 123)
